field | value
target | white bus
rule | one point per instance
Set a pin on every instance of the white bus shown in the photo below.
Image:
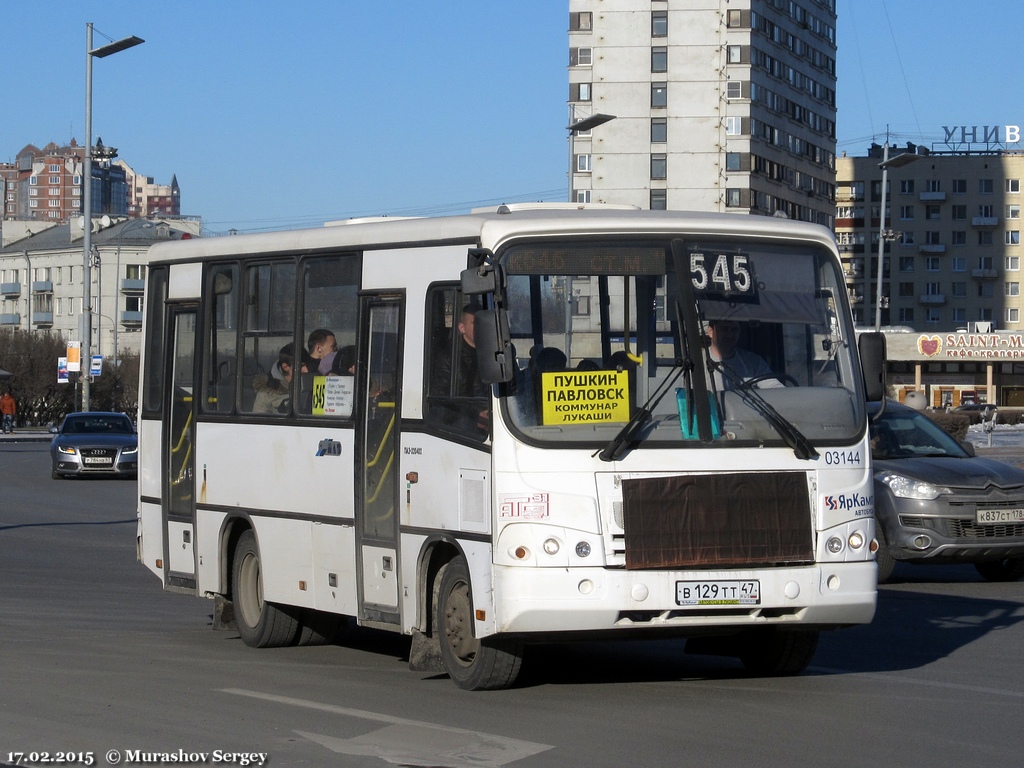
(522, 436)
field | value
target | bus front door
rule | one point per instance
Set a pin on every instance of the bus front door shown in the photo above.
(377, 450)
(179, 480)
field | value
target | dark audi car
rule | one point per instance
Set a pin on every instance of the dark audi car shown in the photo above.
(936, 502)
(95, 443)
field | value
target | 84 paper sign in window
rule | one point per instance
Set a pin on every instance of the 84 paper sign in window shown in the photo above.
(718, 592)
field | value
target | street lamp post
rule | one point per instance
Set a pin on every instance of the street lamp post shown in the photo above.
(904, 158)
(90, 54)
(579, 126)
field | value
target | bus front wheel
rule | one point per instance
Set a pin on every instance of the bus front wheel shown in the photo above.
(472, 664)
(260, 624)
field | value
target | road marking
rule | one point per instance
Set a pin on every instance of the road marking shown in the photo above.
(411, 742)
(918, 681)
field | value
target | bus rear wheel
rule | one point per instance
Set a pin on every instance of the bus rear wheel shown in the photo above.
(472, 664)
(260, 624)
(773, 652)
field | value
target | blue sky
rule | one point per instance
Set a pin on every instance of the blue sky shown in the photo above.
(277, 115)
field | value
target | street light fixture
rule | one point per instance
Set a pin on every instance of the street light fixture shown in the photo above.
(580, 126)
(904, 158)
(90, 53)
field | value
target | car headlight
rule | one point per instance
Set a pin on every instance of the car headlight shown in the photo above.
(904, 487)
(67, 450)
(132, 449)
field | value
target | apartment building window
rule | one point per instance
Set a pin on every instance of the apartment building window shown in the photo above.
(958, 237)
(985, 313)
(985, 263)
(582, 195)
(659, 166)
(907, 187)
(733, 161)
(959, 315)
(959, 186)
(1012, 237)
(659, 95)
(733, 126)
(583, 163)
(581, 57)
(54, 168)
(659, 59)
(985, 186)
(906, 212)
(958, 212)
(33, 180)
(659, 130)
(932, 264)
(1011, 263)
(659, 23)
(986, 211)
(934, 185)
(959, 290)
(579, 91)
(958, 263)
(933, 212)
(734, 89)
(906, 263)
(1012, 211)
(734, 54)
(1012, 289)
(933, 238)
(733, 198)
(984, 238)
(1012, 315)
(1013, 186)
(906, 314)
(933, 316)
(582, 21)
(735, 19)
(659, 200)
(906, 289)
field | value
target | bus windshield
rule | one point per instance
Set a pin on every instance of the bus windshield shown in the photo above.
(598, 331)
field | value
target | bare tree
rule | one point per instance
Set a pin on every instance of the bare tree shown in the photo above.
(31, 358)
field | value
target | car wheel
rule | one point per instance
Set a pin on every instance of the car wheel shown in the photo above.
(773, 652)
(886, 562)
(472, 664)
(260, 624)
(1009, 569)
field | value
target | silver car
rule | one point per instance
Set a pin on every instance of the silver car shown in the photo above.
(936, 502)
(95, 443)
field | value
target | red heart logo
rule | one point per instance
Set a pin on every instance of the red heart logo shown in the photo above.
(929, 345)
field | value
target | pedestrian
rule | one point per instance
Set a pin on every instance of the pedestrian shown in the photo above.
(9, 409)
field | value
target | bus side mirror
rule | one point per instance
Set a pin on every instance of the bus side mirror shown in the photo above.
(482, 279)
(495, 362)
(872, 362)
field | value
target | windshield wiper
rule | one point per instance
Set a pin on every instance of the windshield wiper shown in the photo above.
(794, 438)
(619, 444)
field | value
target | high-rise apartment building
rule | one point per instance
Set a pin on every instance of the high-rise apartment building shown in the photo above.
(717, 106)
(952, 247)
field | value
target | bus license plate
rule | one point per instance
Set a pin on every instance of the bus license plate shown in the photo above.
(95, 460)
(997, 516)
(718, 592)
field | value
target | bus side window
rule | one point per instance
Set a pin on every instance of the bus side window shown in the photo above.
(222, 339)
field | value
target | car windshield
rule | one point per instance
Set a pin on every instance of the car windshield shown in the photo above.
(905, 434)
(91, 425)
(598, 330)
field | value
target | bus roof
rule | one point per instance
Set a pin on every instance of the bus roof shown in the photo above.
(490, 229)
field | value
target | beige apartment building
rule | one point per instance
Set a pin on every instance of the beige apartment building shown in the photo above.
(951, 271)
(703, 105)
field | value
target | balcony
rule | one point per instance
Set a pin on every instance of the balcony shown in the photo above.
(985, 274)
(10, 318)
(10, 289)
(132, 286)
(932, 248)
(985, 222)
(932, 197)
(42, 286)
(42, 319)
(932, 299)
(129, 318)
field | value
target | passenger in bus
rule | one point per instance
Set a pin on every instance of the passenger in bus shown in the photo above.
(275, 393)
(723, 347)
(342, 362)
(321, 343)
(528, 402)
(458, 376)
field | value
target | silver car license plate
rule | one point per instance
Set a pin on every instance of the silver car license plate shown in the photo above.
(747, 592)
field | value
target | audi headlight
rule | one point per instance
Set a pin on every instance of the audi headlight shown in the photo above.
(904, 487)
(67, 450)
(129, 450)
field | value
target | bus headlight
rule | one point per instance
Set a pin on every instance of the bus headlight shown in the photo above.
(583, 549)
(856, 540)
(834, 545)
(551, 546)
